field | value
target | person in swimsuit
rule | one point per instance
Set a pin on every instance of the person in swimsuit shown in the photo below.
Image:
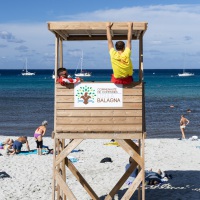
(38, 135)
(7, 144)
(183, 123)
(17, 145)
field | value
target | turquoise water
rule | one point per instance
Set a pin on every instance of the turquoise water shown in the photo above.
(26, 101)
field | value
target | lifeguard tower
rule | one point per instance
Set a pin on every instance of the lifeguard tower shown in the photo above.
(122, 123)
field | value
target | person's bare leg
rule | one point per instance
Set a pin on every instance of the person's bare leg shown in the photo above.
(183, 133)
(39, 150)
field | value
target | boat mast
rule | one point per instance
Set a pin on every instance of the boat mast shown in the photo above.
(26, 64)
(81, 61)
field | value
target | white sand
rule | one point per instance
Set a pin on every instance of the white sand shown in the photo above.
(31, 175)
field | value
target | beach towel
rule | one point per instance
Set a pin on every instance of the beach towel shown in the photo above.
(75, 151)
(72, 159)
(32, 152)
(112, 144)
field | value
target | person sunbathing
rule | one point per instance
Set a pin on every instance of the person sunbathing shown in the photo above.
(151, 177)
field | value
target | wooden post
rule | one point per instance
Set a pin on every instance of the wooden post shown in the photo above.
(141, 58)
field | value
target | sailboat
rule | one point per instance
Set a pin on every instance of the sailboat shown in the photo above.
(186, 74)
(27, 73)
(81, 73)
(53, 75)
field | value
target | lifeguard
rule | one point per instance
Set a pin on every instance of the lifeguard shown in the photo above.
(121, 57)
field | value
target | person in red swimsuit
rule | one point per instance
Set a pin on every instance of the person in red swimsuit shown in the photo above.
(38, 135)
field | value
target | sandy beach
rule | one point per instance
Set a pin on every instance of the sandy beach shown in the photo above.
(30, 176)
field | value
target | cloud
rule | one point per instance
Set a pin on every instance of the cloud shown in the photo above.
(172, 30)
(22, 48)
(3, 46)
(9, 37)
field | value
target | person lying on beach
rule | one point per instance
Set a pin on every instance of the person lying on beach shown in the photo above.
(64, 79)
(17, 145)
(121, 57)
(151, 178)
(38, 135)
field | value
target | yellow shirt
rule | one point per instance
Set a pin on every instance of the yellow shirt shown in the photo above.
(121, 63)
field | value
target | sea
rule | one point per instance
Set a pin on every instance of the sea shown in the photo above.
(25, 101)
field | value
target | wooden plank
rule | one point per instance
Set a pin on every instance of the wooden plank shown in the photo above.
(133, 85)
(67, 99)
(99, 135)
(131, 152)
(121, 181)
(125, 106)
(99, 128)
(67, 151)
(94, 25)
(98, 113)
(127, 92)
(80, 178)
(133, 187)
(62, 184)
(98, 120)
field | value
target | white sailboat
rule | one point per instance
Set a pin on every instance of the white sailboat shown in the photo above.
(186, 74)
(27, 73)
(81, 73)
(53, 75)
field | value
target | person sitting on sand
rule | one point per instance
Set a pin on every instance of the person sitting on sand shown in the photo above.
(64, 79)
(38, 135)
(7, 144)
(17, 145)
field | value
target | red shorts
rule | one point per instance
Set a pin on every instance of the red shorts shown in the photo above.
(123, 81)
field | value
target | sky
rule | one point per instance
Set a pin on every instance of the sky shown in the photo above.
(172, 40)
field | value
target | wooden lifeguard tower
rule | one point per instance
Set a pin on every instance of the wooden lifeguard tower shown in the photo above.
(122, 124)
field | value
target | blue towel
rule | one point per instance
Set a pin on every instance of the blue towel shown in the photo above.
(30, 152)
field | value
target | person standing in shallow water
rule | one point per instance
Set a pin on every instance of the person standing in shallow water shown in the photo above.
(183, 123)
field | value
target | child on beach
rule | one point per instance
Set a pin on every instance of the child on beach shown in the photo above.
(64, 79)
(121, 57)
